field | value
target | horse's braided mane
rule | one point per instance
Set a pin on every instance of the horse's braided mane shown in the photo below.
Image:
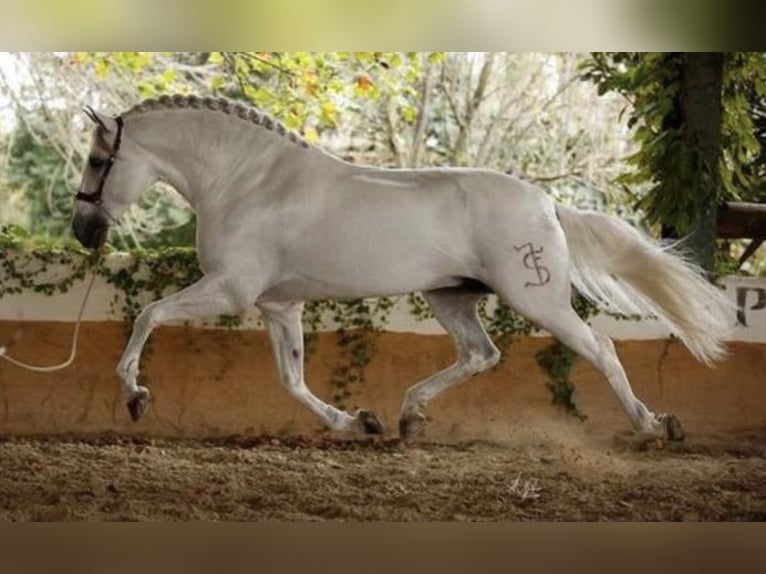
(223, 105)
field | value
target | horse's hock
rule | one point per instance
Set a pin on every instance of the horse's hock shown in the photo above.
(213, 381)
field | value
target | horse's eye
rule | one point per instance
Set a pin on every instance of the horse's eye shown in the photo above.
(96, 162)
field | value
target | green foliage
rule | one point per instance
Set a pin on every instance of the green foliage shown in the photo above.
(35, 167)
(360, 322)
(316, 91)
(557, 360)
(149, 72)
(25, 264)
(152, 275)
(651, 83)
(401, 109)
(311, 92)
(503, 324)
(743, 142)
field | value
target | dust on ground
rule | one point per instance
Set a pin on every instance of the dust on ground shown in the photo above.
(541, 476)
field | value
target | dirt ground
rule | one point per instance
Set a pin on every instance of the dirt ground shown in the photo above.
(538, 475)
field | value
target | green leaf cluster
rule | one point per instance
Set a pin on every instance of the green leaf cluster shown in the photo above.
(315, 91)
(651, 84)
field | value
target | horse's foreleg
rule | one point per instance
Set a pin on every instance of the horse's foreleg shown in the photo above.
(283, 321)
(456, 311)
(212, 295)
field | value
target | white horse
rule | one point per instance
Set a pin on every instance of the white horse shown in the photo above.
(281, 221)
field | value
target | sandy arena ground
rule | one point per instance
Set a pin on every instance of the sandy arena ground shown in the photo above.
(541, 474)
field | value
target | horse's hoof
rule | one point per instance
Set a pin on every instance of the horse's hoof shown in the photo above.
(674, 432)
(368, 423)
(138, 403)
(412, 425)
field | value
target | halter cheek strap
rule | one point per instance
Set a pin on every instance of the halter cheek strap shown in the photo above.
(95, 197)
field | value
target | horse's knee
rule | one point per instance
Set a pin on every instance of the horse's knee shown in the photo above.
(482, 359)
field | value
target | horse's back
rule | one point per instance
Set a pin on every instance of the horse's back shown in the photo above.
(382, 232)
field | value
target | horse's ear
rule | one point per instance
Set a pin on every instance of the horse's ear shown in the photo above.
(107, 123)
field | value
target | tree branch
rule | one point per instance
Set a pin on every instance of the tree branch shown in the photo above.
(256, 58)
(550, 178)
(461, 144)
(422, 118)
(393, 145)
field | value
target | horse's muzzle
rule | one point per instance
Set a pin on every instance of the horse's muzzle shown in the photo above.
(90, 229)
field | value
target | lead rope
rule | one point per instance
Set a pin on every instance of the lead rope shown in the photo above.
(75, 337)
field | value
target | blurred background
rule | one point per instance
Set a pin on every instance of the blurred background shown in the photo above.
(622, 132)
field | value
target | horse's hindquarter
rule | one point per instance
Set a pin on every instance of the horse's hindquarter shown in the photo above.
(383, 232)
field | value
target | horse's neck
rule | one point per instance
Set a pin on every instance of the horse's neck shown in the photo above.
(206, 155)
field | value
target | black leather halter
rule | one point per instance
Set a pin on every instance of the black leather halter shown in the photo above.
(95, 197)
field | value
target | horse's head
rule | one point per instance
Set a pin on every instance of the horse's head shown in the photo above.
(115, 174)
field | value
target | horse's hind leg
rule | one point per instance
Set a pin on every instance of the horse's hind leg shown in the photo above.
(568, 328)
(283, 321)
(549, 307)
(456, 310)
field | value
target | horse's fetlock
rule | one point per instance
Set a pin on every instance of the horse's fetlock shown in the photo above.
(127, 369)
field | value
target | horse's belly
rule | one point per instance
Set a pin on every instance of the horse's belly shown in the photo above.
(308, 288)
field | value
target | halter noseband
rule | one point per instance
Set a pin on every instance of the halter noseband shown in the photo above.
(95, 198)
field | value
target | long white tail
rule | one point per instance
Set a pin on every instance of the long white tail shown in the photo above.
(621, 270)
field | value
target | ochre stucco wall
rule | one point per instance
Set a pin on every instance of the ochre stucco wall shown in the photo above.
(209, 383)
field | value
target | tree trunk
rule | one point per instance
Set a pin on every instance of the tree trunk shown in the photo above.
(473, 101)
(701, 111)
